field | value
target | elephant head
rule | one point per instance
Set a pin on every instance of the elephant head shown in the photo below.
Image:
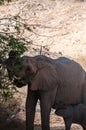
(13, 64)
(18, 68)
(40, 75)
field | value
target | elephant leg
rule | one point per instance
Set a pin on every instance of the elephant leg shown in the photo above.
(68, 122)
(45, 115)
(46, 102)
(30, 110)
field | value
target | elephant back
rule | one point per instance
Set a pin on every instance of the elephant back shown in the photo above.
(64, 60)
(71, 81)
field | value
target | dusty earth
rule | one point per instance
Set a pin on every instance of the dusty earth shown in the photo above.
(60, 25)
(18, 123)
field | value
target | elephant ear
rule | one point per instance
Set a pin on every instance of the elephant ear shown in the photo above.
(46, 77)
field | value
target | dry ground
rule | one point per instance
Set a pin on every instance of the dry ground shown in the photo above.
(58, 24)
(61, 26)
(18, 123)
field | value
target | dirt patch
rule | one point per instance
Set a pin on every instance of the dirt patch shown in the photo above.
(18, 122)
(58, 24)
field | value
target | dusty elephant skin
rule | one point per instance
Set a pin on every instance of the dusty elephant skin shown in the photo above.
(49, 80)
(73, 114)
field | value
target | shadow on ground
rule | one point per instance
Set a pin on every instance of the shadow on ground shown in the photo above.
(38, 127)
(8, 119)
(17, 124)
(14, 125)
(20, 125)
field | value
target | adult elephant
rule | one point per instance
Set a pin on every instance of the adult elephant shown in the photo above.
(49, 80)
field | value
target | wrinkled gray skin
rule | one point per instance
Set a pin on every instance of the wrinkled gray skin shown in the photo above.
(49, 80)
(73, 114)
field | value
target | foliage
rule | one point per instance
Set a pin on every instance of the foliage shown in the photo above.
(10, 39)
(2, 1)
(7, 93)
(13, 32)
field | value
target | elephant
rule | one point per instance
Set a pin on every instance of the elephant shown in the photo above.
(72, 114)
(49, 80)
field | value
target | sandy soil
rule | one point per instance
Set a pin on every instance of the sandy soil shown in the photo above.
(58, 24)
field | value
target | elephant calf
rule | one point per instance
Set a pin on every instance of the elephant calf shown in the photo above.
(73, 114)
